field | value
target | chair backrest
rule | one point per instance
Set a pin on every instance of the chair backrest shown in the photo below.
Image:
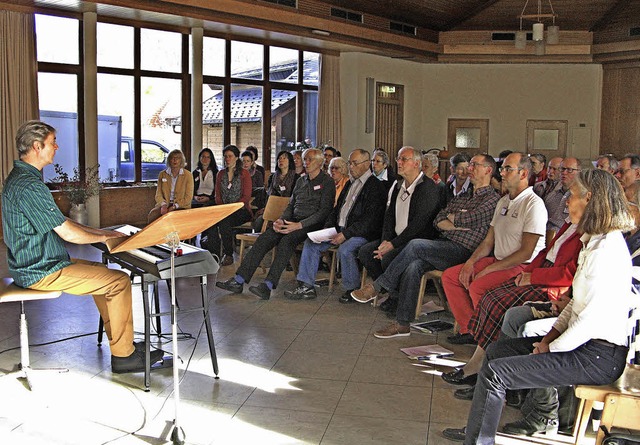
(273, 210)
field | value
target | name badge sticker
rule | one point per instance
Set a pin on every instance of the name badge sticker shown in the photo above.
(229, 186)
(164, 179)
(503, 212)
(282, 188)
(317, 187)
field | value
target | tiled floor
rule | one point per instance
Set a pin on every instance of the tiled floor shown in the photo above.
(290, 373)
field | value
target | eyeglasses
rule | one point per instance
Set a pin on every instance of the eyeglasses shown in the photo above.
(622, 171)
(356, 163)
(334, 168)
(403, 159)
(509, 169)
(477, 164)
(569, 170)
(377, 161)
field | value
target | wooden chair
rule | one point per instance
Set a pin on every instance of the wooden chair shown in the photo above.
(435, 275)
(10, 292)
(620, 407)
(272, 211)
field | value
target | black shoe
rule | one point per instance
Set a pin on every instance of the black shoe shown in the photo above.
(455, 434)
(261, 290)
(457, 377)
(346, 298)
(133, 362)
(231, 285)
(462, 339)
(155, 355)
(464, 393)
(528, 426)
(390, 305)
(302, 292)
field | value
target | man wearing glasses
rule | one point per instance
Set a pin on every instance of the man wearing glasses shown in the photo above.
(357, 219)
(412, 205)
(310, 205)
(556, 200)
(542, 189)
(515, 237)
(463, 225)
(628, 170)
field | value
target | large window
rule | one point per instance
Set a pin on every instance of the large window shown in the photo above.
(253, 94)
(58, 49)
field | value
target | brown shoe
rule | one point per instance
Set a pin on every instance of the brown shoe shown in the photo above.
(364, 294)
(393, 330)
(227, 260)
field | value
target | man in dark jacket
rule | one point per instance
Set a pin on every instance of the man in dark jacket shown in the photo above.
(310, 205)
(413, 204)
(357, 219)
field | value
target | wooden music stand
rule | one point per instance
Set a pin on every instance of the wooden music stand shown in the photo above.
(170, 229)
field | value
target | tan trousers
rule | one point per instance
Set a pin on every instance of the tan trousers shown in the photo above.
(111, 291)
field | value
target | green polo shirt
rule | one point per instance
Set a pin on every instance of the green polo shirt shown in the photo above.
(29, 216)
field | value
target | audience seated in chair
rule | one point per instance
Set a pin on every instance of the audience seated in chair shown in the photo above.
(463, 225)
(204, 179)
(515, 237)
(459, 180)
(175, 187)
(608, 163)
(588, 342)
(280, 183)
(381, 168)
(233, 184)
(539, 166)
(628, 170)
(546, 278)
(357, 219)
(308, 209)
(339, 172)
(542, 189)
(430, 165)
(412, 206)
(556, 200)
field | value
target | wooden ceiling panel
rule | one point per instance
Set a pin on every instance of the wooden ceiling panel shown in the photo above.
(571, 15)
(445, 15)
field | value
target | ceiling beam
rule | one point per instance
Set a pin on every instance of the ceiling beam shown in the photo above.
(466, 16)
(602, 22)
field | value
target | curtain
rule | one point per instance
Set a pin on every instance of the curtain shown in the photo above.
(18, 81)
(329, 117)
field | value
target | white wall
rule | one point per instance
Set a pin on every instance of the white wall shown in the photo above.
(506, 94)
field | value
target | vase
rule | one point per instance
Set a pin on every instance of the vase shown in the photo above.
(79, 213)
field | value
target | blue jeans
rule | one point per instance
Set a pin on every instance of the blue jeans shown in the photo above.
(509, 365)
(347, 253)
(402, 276)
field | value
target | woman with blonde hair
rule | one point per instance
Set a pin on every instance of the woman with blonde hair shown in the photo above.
(587, 344)
(175, 187)
(339, 172)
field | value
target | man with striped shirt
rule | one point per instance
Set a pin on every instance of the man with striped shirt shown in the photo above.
(35, 231)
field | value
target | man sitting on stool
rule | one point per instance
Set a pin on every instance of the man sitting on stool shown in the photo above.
(35, 231)
(357, 217)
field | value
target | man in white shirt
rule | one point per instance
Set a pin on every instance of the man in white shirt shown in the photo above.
(515, 237)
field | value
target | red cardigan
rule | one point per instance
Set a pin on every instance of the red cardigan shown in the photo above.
(562, 272)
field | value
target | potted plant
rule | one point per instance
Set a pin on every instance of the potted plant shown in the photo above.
(78, 188)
